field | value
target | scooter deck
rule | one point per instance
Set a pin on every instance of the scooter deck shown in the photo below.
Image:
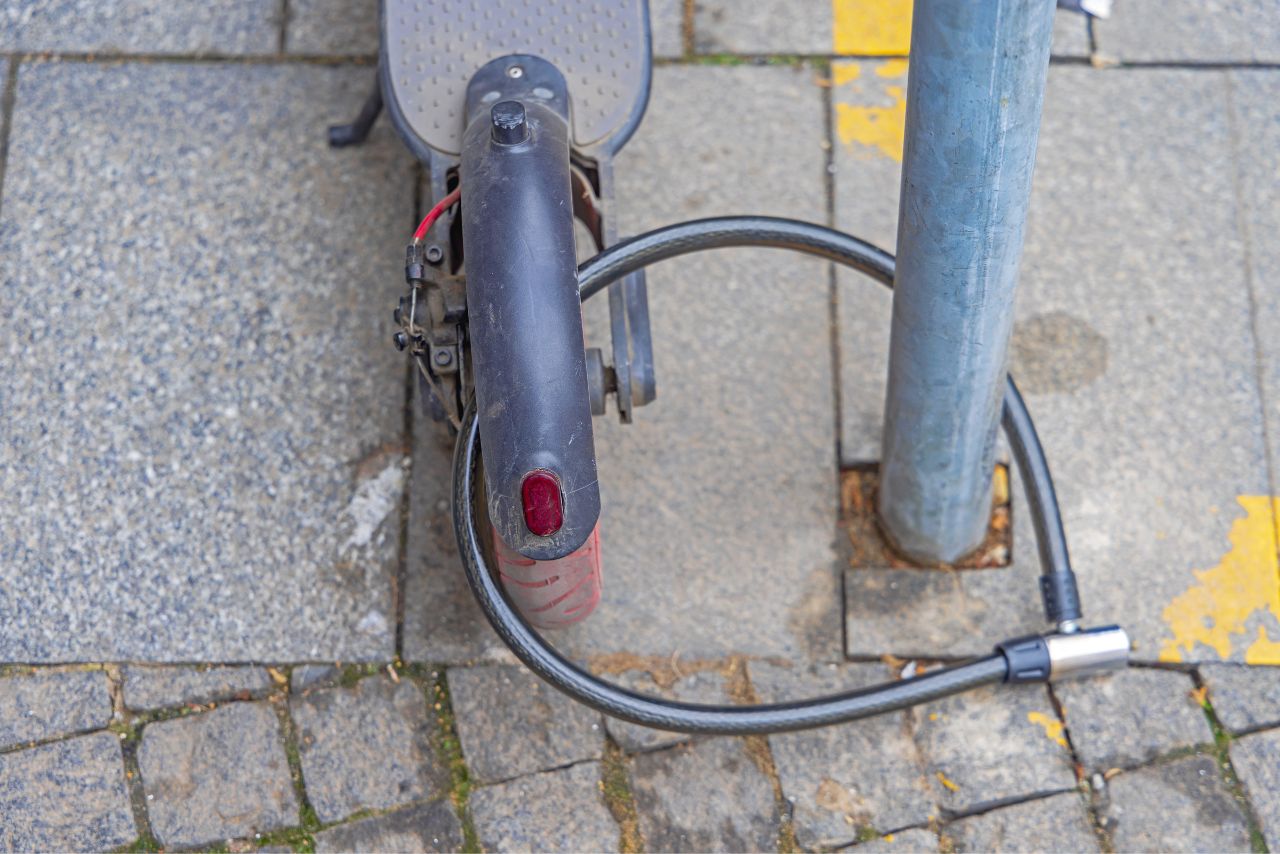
(432, 48)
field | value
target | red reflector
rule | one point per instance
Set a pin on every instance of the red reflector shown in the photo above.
(543, 511)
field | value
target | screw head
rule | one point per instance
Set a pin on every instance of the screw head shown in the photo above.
(515, 72)
(443, 358)
(509, 125)
(434, 255)
(401, 340)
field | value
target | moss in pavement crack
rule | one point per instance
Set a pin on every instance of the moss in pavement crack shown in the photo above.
(1221, 749)
(615, 787)
(448, 748)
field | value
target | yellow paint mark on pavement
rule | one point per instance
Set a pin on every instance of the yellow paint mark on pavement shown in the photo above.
(1052, 727)
(942, 778)
(845, 72)
(871, 27)
(1246, 583)
(871, 113)
(880, 128)
(892, 68)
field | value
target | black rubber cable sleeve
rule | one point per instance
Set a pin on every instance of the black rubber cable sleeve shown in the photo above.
(542, 659)
(619, 702)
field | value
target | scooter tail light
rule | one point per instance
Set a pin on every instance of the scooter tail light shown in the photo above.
(543, 503)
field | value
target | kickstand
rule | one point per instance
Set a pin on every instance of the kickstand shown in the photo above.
(340, 136)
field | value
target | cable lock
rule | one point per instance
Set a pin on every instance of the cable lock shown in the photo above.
(1068, 651)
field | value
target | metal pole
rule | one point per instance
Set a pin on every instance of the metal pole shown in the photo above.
(974, 95)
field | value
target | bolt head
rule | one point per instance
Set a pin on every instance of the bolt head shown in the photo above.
(434, 254)
(443, 358)
(401, 340)
(509, 124)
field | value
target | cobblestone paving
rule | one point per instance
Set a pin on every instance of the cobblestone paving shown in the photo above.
(232, 616)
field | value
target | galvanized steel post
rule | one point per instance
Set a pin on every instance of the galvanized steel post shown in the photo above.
(974, 94)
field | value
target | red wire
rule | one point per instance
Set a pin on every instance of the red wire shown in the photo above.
(434, 214)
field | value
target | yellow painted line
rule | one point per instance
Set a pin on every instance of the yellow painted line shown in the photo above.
(871, 27)
(942, 778)
(871, 112)
(1244, 587)
(1052, 727)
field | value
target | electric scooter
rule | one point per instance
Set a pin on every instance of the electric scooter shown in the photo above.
(516, 111)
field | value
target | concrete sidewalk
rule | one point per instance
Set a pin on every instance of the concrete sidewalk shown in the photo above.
(233, 616)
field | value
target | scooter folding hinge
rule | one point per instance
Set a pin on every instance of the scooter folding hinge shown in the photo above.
(1045, 658)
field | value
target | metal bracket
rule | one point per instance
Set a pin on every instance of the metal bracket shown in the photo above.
(631, 377)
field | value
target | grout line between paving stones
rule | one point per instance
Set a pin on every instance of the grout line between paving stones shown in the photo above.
(687, 33)
(1251, 290)
(206, 58)
(448, 745)
(401, 578)
(308, 820)
(1221, 743)
(1082, 778)
(7, 97)
(948, 816)
(146, 838)
(619, 798)
(284, 26)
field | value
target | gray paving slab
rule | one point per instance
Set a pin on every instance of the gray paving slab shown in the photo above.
(65, 796)
(556, 811)
(992, 745)
(442, 622)
(772, 26)
(49, 704)
(367, 747)
(1128, 718)
(705, 686)
(222, 479)
(333, 28)
(1057, 823)
(158, 687)
(1176, 806)
(141, 26)
(911, 839)
(421, 828)
(844, 781)
(706, 796)
(1256, 760)
(1156, 457)
(216, 776)
(1243, 698)
(510, 723)
(666, 19)
(717, 527)
(1190, 31)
